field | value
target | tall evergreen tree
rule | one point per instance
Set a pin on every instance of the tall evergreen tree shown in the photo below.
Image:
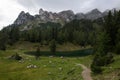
(14, 35)
(37, 54)
(53, 46)
(3, 41)
(111, 29)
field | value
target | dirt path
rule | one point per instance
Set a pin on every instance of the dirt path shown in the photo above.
(86, 74)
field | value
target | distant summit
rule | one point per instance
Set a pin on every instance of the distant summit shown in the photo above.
(61, 17)
(23, 18)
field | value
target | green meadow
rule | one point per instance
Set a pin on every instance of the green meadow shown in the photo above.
(61, 66)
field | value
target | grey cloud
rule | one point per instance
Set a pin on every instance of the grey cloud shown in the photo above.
(105, 4)
(76, 5)
(2, 17)
(54, 5)
(26, 3)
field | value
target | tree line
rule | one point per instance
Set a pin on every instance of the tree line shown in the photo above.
(80, 32)
(107, 42)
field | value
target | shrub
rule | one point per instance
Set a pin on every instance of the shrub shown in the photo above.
(96, 69)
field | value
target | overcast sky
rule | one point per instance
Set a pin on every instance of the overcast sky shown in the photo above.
(9, 9)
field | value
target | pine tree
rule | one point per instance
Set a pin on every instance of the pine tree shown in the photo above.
(37, 54)
(14, 35)
(53, 46)
(111, 29)
(117, 47)
(3, 41)
(102, 57)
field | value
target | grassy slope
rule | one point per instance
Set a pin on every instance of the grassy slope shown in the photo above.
(13, 70)
(32, 46)
(47, 68)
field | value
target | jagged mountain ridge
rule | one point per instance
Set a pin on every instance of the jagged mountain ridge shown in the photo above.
(23, 18)
(61, 17)
(45, 16)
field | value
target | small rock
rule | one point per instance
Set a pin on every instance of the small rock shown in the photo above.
(60, 68)
(61, 57)
(29, 59)
(50, 61)
(49, 73)
(21, 61)
(44, 65)
(35, 66)
(50, 56)
(110, 67)
(28, 67)
(31, 66)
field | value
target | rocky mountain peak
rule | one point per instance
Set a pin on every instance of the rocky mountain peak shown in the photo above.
(94, 14)
(21, 13)
(67, 15)
(80, 16)
(95, 11)
(67, 12)
(23, 18)
(41, 11)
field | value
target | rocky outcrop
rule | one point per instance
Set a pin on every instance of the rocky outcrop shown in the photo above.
(66, 15)
(80, 16)
(94, 14)
(46, 16)
(23, 18)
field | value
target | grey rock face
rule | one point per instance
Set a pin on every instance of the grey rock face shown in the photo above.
(94, 14)
(105, 12)
(66, 15)
(23, 18)
(55, 17)
(46, 16)
(41, 12)
(80, 16)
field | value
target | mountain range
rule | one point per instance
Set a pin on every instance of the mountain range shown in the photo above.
(62, 17)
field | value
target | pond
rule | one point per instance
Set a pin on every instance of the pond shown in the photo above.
(76, 53)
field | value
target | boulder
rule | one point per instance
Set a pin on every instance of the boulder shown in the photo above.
(16, 57)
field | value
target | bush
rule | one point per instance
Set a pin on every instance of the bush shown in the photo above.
(100, 61)
(3, 47)
(109, 58)
(96, 69)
